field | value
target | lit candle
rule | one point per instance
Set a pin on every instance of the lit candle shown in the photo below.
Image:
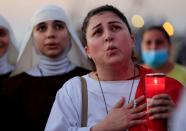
(154, 85)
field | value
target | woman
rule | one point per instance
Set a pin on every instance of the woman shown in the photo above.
(8, 52)
(156, 52)
(28, 97)
(116, 96)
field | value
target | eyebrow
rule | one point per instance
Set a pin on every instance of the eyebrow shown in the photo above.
(111, 22)
(96, 26)
(58, 21)
(55, 21)
(42, 23)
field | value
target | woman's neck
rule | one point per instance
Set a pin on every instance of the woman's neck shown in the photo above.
(121, 72)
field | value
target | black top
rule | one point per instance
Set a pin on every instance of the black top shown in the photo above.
(27, 100)
(3, 78)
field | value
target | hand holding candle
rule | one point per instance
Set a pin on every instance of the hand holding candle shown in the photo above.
(154, 84)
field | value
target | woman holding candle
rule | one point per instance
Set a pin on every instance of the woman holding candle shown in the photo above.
(116, 89)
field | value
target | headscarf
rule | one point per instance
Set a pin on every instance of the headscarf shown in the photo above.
(8, 60)
(29, 58)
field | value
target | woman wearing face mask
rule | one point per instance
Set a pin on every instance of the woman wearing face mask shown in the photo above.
(115, 89)
(28, 97)
(156, 51)
(8, 52)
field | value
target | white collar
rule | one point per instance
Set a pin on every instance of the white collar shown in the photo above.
(5, 67)
(52, 67)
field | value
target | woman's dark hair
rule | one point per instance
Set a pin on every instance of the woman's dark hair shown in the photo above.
(98, 10)
(105, 8)
(159, 28)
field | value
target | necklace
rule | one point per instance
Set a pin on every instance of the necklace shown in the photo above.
(103, 92)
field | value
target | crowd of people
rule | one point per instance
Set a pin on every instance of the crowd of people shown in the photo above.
(60, 82)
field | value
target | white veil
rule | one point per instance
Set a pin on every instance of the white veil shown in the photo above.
(12, 52)
(28, 57)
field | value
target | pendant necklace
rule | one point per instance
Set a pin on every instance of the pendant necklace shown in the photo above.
(100, 86)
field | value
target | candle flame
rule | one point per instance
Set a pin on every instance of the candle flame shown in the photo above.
(155, 81)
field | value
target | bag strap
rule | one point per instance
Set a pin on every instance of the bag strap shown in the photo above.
(84, 111)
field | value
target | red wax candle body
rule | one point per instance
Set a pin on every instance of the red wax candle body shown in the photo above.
(155, 84)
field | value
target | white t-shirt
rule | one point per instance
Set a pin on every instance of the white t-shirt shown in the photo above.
(66, 111)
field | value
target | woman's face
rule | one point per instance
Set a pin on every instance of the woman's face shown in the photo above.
(51, 38)
(154, 40)
(108, 39)
(4, 41)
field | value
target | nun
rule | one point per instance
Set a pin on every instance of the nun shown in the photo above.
(8, 51)
(50, 55)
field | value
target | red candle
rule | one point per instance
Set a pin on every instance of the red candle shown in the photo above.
(155, 84)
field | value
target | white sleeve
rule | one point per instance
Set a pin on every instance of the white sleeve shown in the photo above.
(178, 122)
(66, 111)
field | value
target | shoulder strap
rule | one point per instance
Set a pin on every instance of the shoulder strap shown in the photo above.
(84, 111)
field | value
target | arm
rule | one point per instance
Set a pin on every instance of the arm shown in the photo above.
(66, 110)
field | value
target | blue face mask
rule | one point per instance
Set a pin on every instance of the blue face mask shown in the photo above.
(155, 58)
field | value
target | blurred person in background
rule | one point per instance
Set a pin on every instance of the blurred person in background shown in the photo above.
(44, 65)
(156, 49)
(8, 51)
(181, 56)
(178, 122)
